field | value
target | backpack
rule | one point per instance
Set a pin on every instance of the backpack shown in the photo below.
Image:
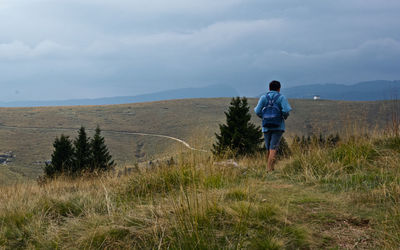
(272, 114)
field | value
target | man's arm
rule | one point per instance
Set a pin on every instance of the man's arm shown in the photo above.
(259, 107)
(286, 108)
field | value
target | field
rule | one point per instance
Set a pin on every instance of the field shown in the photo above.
(322, 197)
(30, 132)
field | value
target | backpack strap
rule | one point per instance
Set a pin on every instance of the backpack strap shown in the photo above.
(272, 101)
(276, 97)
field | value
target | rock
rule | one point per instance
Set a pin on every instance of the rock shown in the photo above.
(229, 162)
(7, 157)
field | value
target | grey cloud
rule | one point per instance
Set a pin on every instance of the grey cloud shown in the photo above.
(18, 50)
(371, 60)
(104, 48)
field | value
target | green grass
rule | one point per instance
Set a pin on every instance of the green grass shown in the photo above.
(364, 169)
(320, 198)
(173, 118)
(325, 198)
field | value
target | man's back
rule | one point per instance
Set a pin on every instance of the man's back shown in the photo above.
(281, 101)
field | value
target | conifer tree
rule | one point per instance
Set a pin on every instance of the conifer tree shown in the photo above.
(61, 159)
(101, 158)
(238, 135)
(83, 154)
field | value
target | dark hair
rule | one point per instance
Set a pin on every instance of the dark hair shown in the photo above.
(274, 85)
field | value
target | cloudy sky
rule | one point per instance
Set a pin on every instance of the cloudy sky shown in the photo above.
(63, 49)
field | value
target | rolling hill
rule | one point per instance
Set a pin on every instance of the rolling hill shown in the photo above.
(211, 91)
(363, 91)
(29, 132)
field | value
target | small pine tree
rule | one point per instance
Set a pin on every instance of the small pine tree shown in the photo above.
(101, 158)
(83, 153)
(61, 159)
(238, 136)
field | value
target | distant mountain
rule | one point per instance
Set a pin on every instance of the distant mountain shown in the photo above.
(363, 91)
(211, 91)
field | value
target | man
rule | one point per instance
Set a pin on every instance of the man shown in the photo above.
(273, 133)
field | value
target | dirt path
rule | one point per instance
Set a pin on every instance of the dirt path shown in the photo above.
(106, 131)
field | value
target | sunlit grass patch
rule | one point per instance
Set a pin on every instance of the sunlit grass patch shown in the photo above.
(215, 181)
(353, 155)
(361, 181)
(106, 237)
(202, 223)
(364, 169)
(15, 229)
(331, 164)
(160, 181)
(237, 195)
(222, 177)
(310, 167)
(56, 208)
(389, 143)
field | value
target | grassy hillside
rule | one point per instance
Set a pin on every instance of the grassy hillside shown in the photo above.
(322, 197)
(193, 120)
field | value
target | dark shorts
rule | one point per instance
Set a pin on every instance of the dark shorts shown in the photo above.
(272, 139)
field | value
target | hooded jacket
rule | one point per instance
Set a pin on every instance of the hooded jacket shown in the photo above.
(283, 104)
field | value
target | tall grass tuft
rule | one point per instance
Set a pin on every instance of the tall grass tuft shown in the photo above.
(365, 167)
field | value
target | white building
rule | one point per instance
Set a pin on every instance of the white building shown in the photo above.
(317, 97)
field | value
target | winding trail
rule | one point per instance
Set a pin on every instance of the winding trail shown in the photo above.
(106, 131)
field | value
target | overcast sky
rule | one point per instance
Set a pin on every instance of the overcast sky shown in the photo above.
(63, 49)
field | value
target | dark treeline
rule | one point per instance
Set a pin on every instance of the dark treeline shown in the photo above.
(82, 155)
(321, 140)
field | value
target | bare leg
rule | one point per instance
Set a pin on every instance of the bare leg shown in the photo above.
(271, 159)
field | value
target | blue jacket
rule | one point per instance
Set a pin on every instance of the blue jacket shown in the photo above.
(282, 102)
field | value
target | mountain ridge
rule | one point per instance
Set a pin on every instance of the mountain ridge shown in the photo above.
(362, 91)
(211, 91)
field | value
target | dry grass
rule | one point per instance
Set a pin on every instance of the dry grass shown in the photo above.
(325, 197)
(191, 204)
(344, 197)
